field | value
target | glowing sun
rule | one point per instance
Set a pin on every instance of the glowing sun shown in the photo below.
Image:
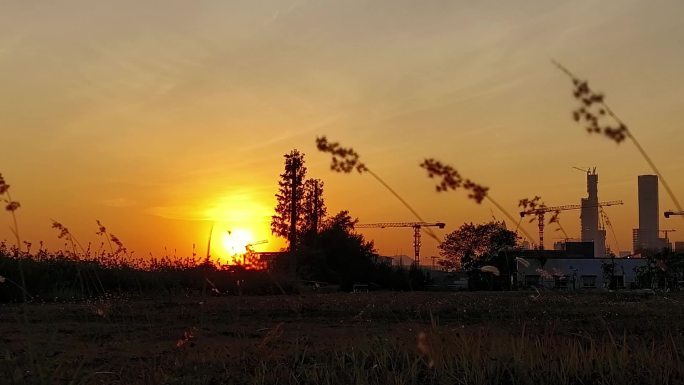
(235, 241)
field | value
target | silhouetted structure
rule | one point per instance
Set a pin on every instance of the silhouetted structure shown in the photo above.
(589, 216)
(646, 236)
(679, 247)
(542, 210)
(417, 226)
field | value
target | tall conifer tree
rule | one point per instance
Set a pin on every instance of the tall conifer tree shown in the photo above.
(285, 222)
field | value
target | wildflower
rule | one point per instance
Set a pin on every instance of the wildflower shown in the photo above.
(490, 269)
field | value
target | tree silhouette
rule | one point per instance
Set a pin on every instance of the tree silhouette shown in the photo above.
(290, 196)
(300, 210)
(314, 210)
(348, 256)
(472, 246)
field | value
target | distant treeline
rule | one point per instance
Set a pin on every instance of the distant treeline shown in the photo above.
(63, 276)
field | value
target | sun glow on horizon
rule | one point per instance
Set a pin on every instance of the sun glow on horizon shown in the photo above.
(235, 241)
(239, 219)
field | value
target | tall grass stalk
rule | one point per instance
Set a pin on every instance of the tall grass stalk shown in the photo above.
(509, 216)
(12, 207)
(64, 233)
(450, 179)
(592, 111)
(346, 160)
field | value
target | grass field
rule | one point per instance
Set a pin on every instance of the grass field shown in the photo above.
(343, 338)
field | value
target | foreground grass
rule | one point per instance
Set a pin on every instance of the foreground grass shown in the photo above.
(375, 338)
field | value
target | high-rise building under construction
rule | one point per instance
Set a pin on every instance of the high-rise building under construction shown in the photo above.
(590, 217)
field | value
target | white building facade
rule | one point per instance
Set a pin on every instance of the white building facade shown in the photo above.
(578, 273)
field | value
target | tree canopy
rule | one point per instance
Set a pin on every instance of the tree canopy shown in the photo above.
(300, 208)
(471, 246)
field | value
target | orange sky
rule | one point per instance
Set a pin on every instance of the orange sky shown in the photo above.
(160, 119)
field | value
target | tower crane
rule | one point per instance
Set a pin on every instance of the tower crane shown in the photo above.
(541, 211)
(249, 246)
(416, 232)
(587, 170)
(670, 213)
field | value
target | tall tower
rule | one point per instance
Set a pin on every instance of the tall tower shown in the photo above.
(649, 228)
(589, 217)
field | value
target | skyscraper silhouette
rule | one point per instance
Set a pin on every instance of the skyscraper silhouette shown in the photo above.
(649, 228)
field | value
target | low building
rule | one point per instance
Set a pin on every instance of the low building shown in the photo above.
(547, 271)
(679, 247)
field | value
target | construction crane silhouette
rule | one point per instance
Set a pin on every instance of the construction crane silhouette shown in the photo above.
(541, 211)
(587, 170)
(248, 247)
(670, 213)
(249, 251)
(605, 222)
(416, 232)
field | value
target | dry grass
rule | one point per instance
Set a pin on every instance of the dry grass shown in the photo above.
(375, 338)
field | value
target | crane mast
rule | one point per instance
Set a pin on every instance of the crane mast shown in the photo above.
(416, 232)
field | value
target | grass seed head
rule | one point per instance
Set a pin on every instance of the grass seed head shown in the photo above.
(12, 206)
(452, 180)
(536, 206)
(101, 229)
(3, 185)
(592, 111)
(63, 230)
(343, 159)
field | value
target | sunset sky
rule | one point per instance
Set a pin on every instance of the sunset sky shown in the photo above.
(163, 118)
